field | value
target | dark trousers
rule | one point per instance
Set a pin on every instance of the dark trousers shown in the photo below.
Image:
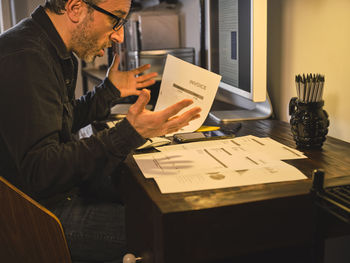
(94, 222)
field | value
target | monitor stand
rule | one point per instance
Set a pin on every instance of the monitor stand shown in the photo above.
(230, 107)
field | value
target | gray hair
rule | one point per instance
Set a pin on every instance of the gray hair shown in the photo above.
(58, 6)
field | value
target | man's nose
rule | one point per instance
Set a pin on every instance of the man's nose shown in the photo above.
(118, 36)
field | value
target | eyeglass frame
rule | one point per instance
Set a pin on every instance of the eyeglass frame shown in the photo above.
(120, 21)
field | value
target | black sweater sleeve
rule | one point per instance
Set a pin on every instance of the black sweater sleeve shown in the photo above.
(31, 126)
(95, 105)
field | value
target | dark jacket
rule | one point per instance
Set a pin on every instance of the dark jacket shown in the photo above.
(39, 114)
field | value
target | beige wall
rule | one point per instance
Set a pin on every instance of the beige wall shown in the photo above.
(311, 36)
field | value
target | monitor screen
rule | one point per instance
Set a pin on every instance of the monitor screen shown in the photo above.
(236, 41)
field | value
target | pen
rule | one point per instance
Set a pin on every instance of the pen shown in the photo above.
(310, 87)
(322, 83)
(297, 84)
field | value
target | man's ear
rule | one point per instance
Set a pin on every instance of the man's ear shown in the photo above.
(74, 10)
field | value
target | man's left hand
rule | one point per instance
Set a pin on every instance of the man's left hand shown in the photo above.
(128, 82)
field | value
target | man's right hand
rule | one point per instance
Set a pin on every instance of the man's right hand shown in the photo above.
(151, 124)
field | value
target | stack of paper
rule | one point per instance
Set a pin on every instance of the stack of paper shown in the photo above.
(224, 163)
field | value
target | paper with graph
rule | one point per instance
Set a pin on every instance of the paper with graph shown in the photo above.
(233, 162)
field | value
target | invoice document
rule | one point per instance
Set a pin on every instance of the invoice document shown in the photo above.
(183, 80)
(213, 164)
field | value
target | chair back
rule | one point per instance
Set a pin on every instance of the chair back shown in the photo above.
(28, 231)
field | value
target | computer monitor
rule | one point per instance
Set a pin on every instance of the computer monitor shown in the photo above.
(236, 36)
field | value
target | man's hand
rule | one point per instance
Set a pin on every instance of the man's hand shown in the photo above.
(126, 81)
(151, 124)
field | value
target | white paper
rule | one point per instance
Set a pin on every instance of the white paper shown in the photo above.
(273, 173)
(240, 153)
(214, 164)
(266, 147)
(195, 145)
(183, 80)
(176, 162)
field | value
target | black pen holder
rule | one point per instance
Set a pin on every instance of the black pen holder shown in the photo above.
(309, 123)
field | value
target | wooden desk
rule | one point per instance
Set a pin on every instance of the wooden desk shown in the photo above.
(218, 225)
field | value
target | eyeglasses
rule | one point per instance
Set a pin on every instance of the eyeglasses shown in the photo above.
(120, 21)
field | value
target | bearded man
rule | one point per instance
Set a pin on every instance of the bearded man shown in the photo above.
(39, 151)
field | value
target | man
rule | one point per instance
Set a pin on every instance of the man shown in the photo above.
(39, 116)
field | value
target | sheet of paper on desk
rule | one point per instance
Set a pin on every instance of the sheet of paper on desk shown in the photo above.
(235, 154)
(176, 162)
(195, 145)
(272, 173)
(266, 147)
(213, 164)
(183, 80)
(193, 161)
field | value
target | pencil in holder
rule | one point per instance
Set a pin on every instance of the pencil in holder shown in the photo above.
(309, 123)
